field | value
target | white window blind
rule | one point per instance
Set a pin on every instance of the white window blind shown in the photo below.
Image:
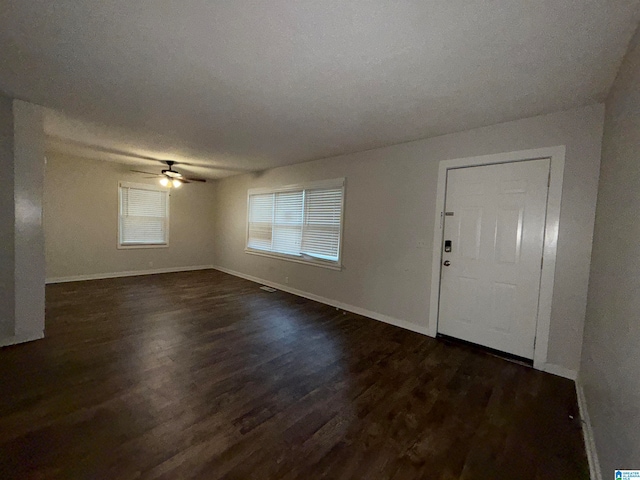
(287, 222)
(321, 232)
(301, 222)
(261, 221)
(144, 215)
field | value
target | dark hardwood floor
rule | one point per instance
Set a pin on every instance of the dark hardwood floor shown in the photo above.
(203, 375)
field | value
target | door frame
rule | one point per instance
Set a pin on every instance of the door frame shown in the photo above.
(554, 198)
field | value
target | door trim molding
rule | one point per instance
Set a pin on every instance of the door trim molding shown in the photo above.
(554, 198)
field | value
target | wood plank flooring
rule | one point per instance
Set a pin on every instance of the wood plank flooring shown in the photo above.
(203, 375)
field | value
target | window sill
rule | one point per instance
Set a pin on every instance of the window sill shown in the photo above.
(315, 263)
(142, 245)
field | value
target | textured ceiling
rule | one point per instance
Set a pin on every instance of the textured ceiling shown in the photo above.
(249, 85)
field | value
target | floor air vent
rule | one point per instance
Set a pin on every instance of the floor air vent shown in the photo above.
(268, 289)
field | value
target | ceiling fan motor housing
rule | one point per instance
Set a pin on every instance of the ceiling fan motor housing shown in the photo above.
(170, 172)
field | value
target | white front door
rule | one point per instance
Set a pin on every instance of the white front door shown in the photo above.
(492, 254)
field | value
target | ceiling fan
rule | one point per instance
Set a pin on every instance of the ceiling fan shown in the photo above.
(170, 178)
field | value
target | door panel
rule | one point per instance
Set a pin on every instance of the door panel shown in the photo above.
(468, 233)
(504, 299)
(468, 288)
(508, 235)
(489, 292)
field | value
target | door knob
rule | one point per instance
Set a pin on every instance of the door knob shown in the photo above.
(446, 263)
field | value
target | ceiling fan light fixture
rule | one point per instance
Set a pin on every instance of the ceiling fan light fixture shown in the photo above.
(170, 178)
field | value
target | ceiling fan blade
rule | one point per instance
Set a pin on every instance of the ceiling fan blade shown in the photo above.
(148, 173)
(190, 179)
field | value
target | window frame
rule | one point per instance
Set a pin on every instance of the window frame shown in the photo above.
(303, 259)
(142, 186)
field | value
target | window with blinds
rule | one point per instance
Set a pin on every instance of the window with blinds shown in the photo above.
(144, 215)
(303, 222)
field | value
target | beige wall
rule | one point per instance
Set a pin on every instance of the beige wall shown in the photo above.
(81, 221)
(610, 370)
(390, 203)
(7, 224)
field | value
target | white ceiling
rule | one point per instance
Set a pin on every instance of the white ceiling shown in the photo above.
(248, 85)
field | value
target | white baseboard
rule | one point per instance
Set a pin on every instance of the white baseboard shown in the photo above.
(133, 273)
(587, 431)
(334, 303)
(560, 371)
